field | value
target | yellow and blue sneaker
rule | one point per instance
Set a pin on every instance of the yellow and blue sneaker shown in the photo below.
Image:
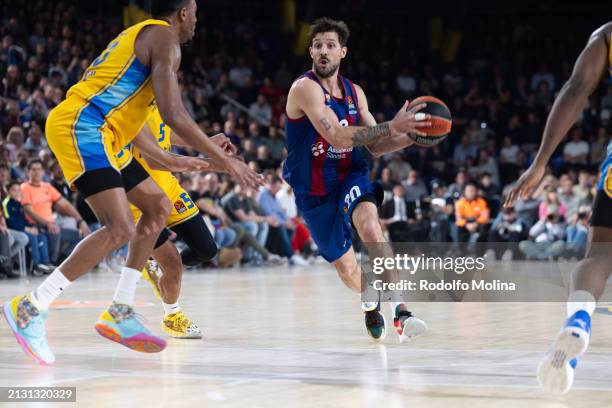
(150, 273)
(28, 325)
(180, 326)
(119, 324)
(556, 372)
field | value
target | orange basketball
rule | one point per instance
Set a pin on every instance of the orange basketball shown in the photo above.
(441, 121)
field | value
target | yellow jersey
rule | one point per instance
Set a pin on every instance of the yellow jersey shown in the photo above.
(116, 87)
(183, 208)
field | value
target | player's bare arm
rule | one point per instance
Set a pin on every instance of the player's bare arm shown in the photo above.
(159, 159)
(160, 48)
(307, 98)
(391, 144)
(588, 72)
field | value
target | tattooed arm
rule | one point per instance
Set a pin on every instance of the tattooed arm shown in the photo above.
(393, 143)
(306, 99)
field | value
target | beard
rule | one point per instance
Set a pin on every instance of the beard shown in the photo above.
(326, 72)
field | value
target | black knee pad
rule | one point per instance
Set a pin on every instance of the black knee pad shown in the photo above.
(202, 246)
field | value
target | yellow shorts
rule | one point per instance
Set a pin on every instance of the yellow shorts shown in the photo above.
(183, 207)
(79, 138)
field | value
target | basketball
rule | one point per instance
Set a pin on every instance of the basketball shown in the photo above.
(441, 121)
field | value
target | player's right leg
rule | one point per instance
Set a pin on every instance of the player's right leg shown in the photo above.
(119, 322)
(349, 271)
(556, 371)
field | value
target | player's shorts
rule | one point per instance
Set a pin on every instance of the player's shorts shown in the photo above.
(82, 143)
(329, 217)
(183, 207)
(602, 207)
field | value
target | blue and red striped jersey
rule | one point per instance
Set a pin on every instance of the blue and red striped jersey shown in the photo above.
(313, 166)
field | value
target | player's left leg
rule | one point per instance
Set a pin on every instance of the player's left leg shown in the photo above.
(167, 286)
(365, 221)
(556, 371)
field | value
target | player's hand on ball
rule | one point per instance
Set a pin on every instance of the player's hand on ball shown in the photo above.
(526, 184)
(410, 120)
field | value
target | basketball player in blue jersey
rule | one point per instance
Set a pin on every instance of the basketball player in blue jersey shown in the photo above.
(328, 133)
(556, 371)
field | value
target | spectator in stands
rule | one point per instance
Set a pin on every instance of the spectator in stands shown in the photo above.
(240, 74)
(275, 144)
(261, 111)
(15, 220)
(59, 182)
(242, 213)
(40, 199)
(567, 197)
(464, 150)
(442, 213)
(456, 189)
(398, 215)
(551, 200)
(272, 207)
(576, 151)
(507, 228)
(546, 237)
(471, 215)
(414, 187)
(264, 161)
(577, 233)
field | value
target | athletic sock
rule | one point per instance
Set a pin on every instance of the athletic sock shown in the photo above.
(51, 288)
(126, 288)
(171, 308)
(580, 300)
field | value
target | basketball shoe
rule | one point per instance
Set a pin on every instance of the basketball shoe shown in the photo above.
(28, 325)
(150, 273)
(375, 322)
(180, 326)
(119, 324)
(556, 371)
(406, 324)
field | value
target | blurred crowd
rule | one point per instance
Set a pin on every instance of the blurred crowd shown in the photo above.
(235, 81)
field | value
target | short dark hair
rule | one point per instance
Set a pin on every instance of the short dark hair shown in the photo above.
(33, 162)
(12, 183)
(326, 25)
(164, 8)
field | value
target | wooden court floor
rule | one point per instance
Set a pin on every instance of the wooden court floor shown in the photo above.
(294, 337)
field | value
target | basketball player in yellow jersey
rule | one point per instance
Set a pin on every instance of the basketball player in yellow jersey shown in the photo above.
(104, 112)
(556, 371)
(140, 160)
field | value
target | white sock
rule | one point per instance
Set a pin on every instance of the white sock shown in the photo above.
(580, 300)
(126, 288)
(170, 308)
(51, 288)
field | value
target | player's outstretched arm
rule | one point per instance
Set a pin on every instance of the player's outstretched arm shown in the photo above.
(159, 159)
(306, 98)
(391, 144)
(588, 72)
(164, 59)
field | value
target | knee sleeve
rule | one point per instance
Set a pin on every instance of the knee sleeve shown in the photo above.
(202, 246)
